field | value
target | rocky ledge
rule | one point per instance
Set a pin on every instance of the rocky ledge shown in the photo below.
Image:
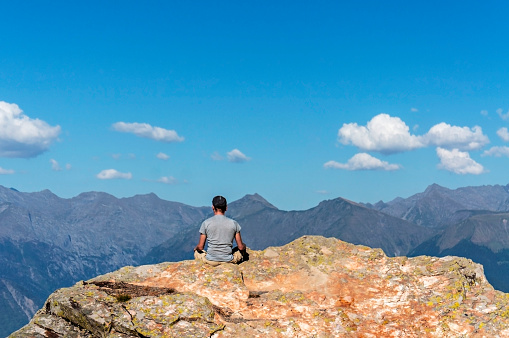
(313, 286)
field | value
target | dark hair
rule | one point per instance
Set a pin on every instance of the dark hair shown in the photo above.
(219, 202)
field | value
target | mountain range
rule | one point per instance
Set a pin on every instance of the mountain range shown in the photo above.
(47, 242)
(438, 207)
(264, 225)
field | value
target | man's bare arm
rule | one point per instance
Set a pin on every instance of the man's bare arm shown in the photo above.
(240, 244)
(201, 243)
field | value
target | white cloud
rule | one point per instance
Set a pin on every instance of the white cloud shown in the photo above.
(168, 180)
(500, 113)
(503, 133)
(54, 165)
(362, 161)
(453, 137)
(497, 152)
(216, 156)
(484, 112)
(458, 162)
(237, 156)
(387, 134)
(109, 174)
(6, 171)
(162, 156)
(21, 136)
(147, 131)
(414, 110)
(384, 134)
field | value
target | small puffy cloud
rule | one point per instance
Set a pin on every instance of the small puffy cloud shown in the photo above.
(497, 152)
(54, 165)
(458, 162)
(22, 136)
(503, 133)
(6, 171)
(162, 156)
(414, 110)
(484, 112)
(109, 174)
(362, 161)
(237, 156)
(384, 134)
(167, 180)
(147, 131)
(216, 156)
(116, 156)
(503, 116)
(453, 137)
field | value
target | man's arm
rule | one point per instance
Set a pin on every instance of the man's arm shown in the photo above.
(240, 244)
(201, 243)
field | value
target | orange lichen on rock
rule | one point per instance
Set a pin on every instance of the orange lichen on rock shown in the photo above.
(313, 286)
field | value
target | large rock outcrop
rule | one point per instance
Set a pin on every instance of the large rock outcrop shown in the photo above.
(313, 286)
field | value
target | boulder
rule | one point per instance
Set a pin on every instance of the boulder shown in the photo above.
(313, 286)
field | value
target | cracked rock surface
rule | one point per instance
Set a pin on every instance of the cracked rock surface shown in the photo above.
(311, 287)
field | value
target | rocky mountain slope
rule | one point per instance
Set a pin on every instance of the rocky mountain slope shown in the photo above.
(483, 238)
(438, 207)
(471, 222)
(47, 242)
(313, 286)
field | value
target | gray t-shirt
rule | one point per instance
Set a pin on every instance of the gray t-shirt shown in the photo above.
(220, 231)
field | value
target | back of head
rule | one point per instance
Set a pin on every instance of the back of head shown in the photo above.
(219, 202)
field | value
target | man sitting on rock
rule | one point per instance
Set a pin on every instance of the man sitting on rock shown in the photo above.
(219, 231)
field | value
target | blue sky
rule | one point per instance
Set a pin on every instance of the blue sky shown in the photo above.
(297, 101)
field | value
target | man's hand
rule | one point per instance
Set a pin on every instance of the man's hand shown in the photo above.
(201, 243)
(240, 244)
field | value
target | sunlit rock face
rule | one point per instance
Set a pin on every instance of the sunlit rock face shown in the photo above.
(313, 286)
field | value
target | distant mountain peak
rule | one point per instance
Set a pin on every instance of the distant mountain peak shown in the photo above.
(340, 200)
(149, 196)
(435, 188)
(249, 204)
(46, 192)
(255, 198)
(93, 195)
